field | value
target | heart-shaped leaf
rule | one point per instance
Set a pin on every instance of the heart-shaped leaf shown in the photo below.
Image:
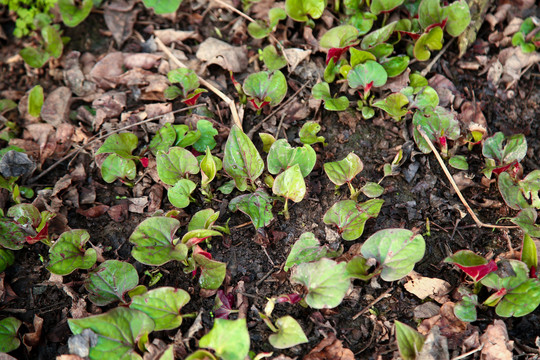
(321, 91)
(290, 184)
(380, 6)
(163, 140)
(345, 170)
(68, 253)
(339, 37)
(459, 17)
(12, 236)
(372, 190)
(465, 310)
(116, 167)
(155, 241)
(228, 338)
(163, 305)
(118, 331)
(266, 87)
(184, 136)
(8, 334)
(258, 206)
(289, 333)
(241, 159)
(505, 150)
(396, 250)
(428, 42)
(206, 139)
(34, 57)
(188, 80)
(175, 165)
(271, 58)
(393, 105)
(327, 282)
(472, 264)
(429, 12)
(308, 133)
(526, 220)
(367, 75)
(120, 144)
(396, 65)
(306, 249)
(459, 162)
(350, 217)
(110, 282)
(212, 271)
(180, 194)
(282, 156)
(163, 7)
(73, 13)
(25, 214)
(300, 9)
(409, 341)
(511, 192)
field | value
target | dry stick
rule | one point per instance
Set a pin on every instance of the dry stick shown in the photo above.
(228, 100)
(436, 58)
(478, 222)
(74, 152)
(382, 296)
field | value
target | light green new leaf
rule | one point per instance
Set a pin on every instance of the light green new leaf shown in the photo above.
(212, 271)
(35, 100)
(163, 140)
(228, 338)
(339, 37)
(409, 341)
(459, 17)
(163, 6)
(7, 258)
(427, 43)
(180, 194)
(289, 333)
(116, 167)
(299, 9)
(394, 105)
(258, 206)
(283, 156)
(308, 133)
(370, 72)
(68, 253)
(529, 254)
(120, 144)
(163, 305)
(110, 282)
(206, 140)
(34, 57)
(350, 217)
(290, 184)
(343, 171)
(266, 86)
(73, 13)
(176, 165)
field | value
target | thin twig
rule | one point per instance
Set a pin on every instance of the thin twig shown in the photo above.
(427, 69)
(382, 296)
(463, 356)
(478, 222)
(228, 100)
(74, 152)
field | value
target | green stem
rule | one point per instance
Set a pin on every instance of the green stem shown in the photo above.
(286, 210)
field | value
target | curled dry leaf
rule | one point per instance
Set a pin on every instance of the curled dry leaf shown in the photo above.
(497, 346)
(94, 211)
(75, 79)
(32, 339)
(424, 287)
(445, 89)
(137, 205)
(435, 347)
(106, 71)
(296, 56)
(214, 51)
(55, 108)
(169, 36)
(330, 348)
(142, 60)
(120, 18)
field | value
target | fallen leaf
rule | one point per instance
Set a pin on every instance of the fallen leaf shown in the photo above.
(169, 36)
(330, 348)
(75, 79)
(497, 346)
(15, 163)
(426, 310)
(424, 287)
(463, 181)
(296, 56)
(111, 103)
(142, 60)
(214, 51)
(137, 205)
(435, 347)
(31, 339)
(93, 212)
(120, 18)
(157, 109)
(119, 213)
(106, 71)
(55, 108)
(155, 196)
(445, 89)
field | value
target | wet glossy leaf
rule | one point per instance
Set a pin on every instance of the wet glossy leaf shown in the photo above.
(163, 140)
(409, 341)
(358, 268)
(155, 241)
(363, 21)
(163, 6)
(7, 258)
(267, 140)
(396, 250)
(306, 249)
(258, 206)
(110, 282)
(176, 165)
(437, 123)
(266, 87)
(180, 194)
(206, 140)
(35, 58)
(428, 42)
(372, 190)
(35, 100)
(228, 338)
(393, 105)
(526, 220)
(326, 281)
(242, 160)
(290, 184)
(120, 144)
(289, 333)
(379, 6)
(459, 17)
(68, 253)
(282, 156)
(308, 133)
(163, 305)
(73, 13)
(396, 65)
(321, 91)
(529, 255)
(272, 60)
(300, 9)
(119, 330)
(350, 217)
(339, 37)
(459, 162)
(367, 73)
(8, 334)
(116, 167)
(343, 171)
(203, 219)
(12, 236)
(378, 36)
(212, 271)
(472, 264)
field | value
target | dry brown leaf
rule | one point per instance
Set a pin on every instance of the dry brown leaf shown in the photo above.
(514, 60)
(424, 287)
(169, 36)
(111, 103)
(142, 60)
(296, 56)
(67, 357)
(155, 350)
(472, 117)
(55, 108)
(330, 348)
(426, 310)
(120, 17)
(463, 181)
(497, 346)
(137, 205)
(75, 79)
(31, 339)
(119, 213)
(499, 16)
(397, 83)
(94, 211)
(214, 51)
(445, 89)
(157, 109)
(435, 347)
(155, 196)
(106, 71)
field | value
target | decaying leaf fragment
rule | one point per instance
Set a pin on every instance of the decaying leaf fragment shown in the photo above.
(497, 346)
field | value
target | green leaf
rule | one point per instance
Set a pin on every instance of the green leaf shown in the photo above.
(369, 72)
(53, 41)
(208, 168)
(176, 165)
(258, 29)
(396, 65)
(363, 21)
(436, 123)
(396, 250)
(227, 187)
(73, 14)
(459, 17)
(529, 255)
(459, 162)
(465, 310)
(267, 140)
(428, 41)
(258, 206)
(425, 98)
(272, 60)
(290, 184)
(228, 338)
(326, 281)
(511, 192)
(68, 253)
(393, 105)
(184, 136)
(339, 37)
(299, 9)
(7, 258)
(306, 249)
(350, 217)
(188, 80)
(212, 271)
(7, 105)
(289, 333)
(25, 214)
(429, 12)
(195, 236)
(201, 355)
(505, 150)
(321, 91)
(118, 331)
(12, 236)
(381, 51)
(345, 170)
(360, 56)
(409, 341)
(172, 92)
(120, 144)
(162, 305)
(472, 264)
(35, 58)
(379, 6)
(241, 159)
(206, 140)
(308, 133)
(379, 36)
(35, 100)
(203, 219)
(282, 156)
(155, 241)
(265, 86)
(110, 282)
(163, 6)
(358, 268)
(275, 15)
(372, 190)
(116, 167)
(8, 334)
(180, 194)
(530, 186)
(163, 140)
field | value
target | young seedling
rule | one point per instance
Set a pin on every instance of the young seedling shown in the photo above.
(308, 134)
(163, 7)
(228, 338)
(287, 331)
(520, 194)
(350, 217)
(175, 165)
(338, 40)
(410, 341)
(188, 91)
(321, 91)
(272, 60)
(260, 29)
(307, 249)
(503, 153)
(209, 169)
(527, 38)
(68, 253)
(265, 88)
(257, 205)
(119, 164)
(282, 156)
(35, 100)
(163, 305)
(299, 10)
(344, 171)
(439, 125)
(290, 184)
(35, 223)
(110, 282)
(9, 340)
